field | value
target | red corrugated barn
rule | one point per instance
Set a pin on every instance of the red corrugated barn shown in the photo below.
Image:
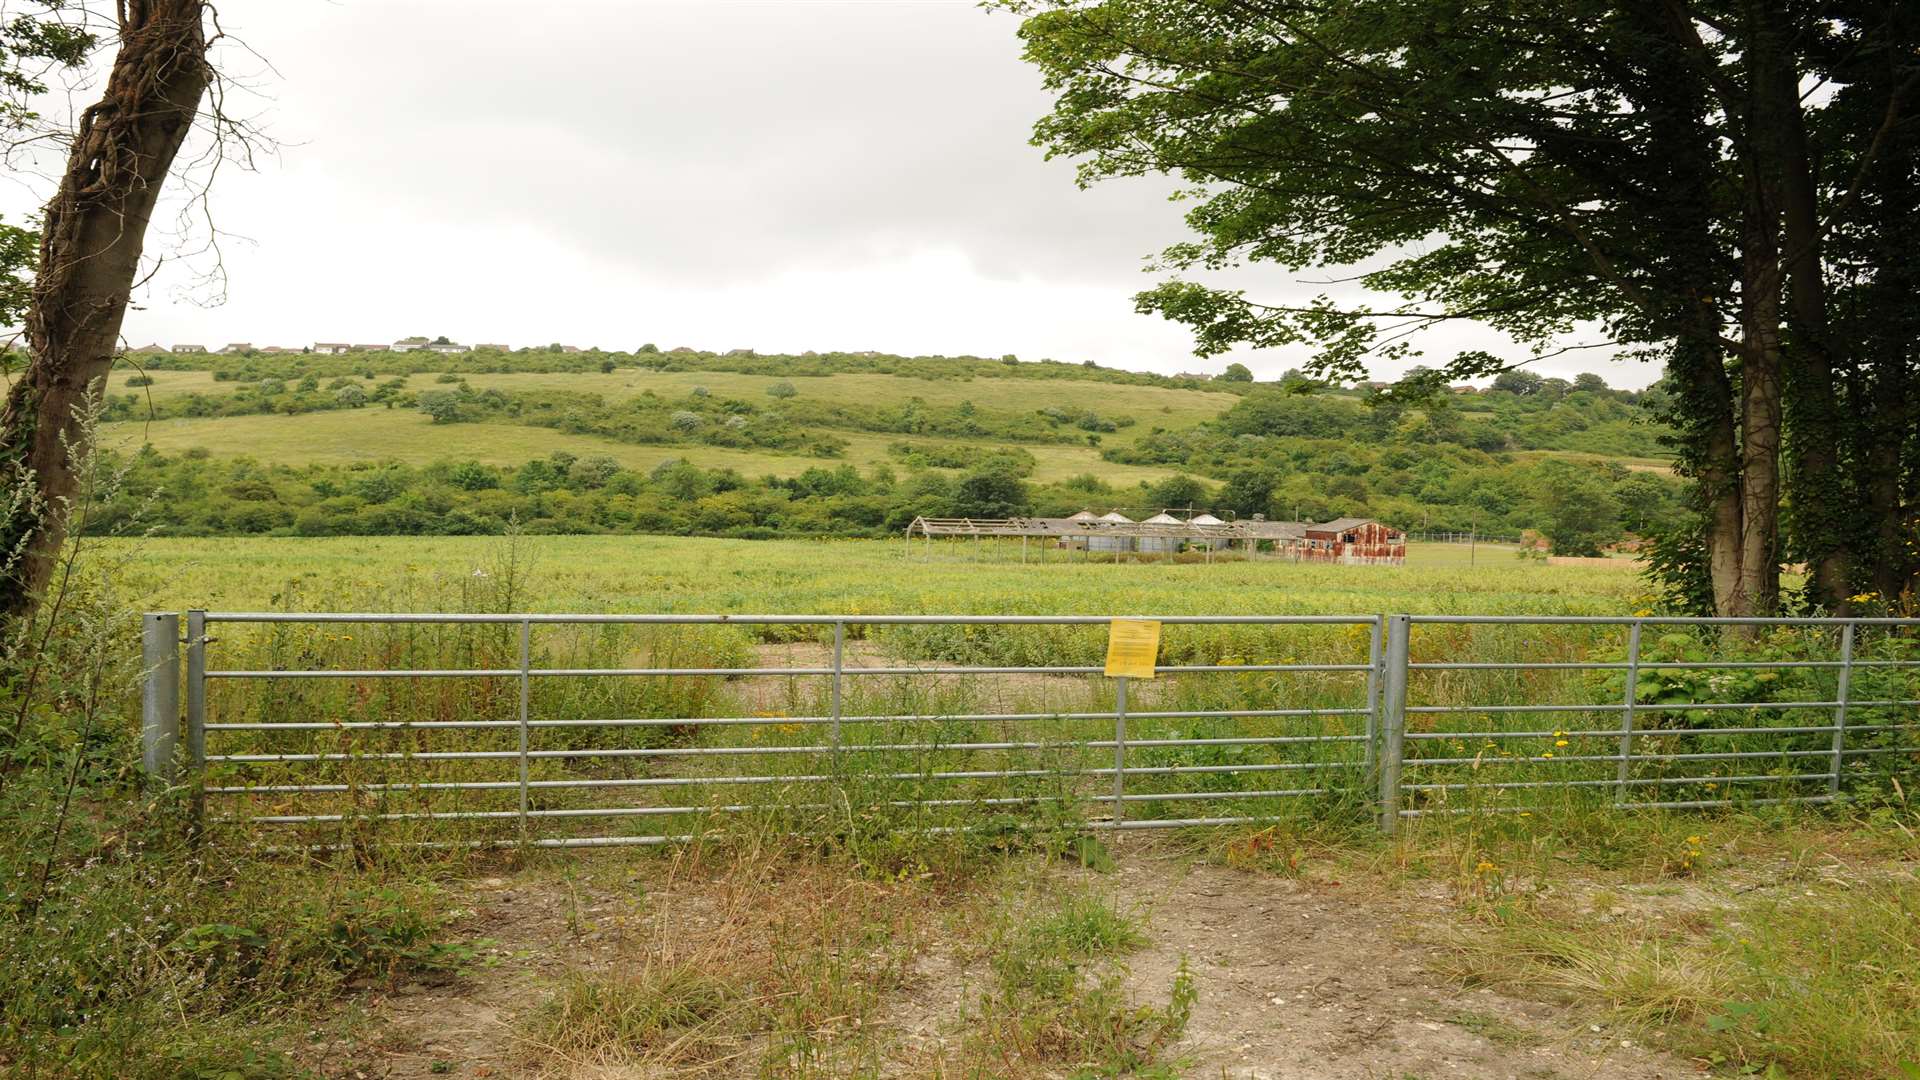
(1356, 541)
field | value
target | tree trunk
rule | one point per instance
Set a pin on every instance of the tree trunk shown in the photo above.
(1777, 130)
(94, 230)
(1711, 451)
(1891, 429)
(1758, 591)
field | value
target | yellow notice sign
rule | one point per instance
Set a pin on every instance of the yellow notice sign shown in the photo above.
(1132, 647)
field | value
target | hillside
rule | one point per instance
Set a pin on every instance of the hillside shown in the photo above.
(842, 444)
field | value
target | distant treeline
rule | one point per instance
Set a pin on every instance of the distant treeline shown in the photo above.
(552, 359)
(1549, 417)
(1580, 506)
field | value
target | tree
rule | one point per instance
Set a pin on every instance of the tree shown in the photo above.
(1647, 504)
(1236, 373)
(93, 232)
(1519, 383)
(781, 390)
(1589, 382)
(989, 493)
(1652, 169)
(1178, 491)
(1581, 513)
(442, 406)
(1248, 492)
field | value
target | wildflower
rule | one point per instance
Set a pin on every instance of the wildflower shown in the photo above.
(1560, 742)
(1485, 867)
(1547, 754)
(1864, 598)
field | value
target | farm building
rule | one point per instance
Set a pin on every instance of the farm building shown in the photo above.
(1353, 541)
(1108, 540)
(1356, 541)
(1160, 543)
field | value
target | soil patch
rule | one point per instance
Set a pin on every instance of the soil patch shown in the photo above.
(1296, 978)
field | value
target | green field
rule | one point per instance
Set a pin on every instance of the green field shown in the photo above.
(678, 574)
(405, 435)
(1149, 405)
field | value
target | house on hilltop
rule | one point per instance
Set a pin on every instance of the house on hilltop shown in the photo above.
(446, 347)
(372, 348)
(189, 349)
(331, 348)
(237, 348)
(409, 344)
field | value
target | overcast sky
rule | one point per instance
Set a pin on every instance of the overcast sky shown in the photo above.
(772, 174)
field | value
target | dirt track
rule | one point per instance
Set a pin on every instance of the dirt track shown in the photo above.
(1297, 979)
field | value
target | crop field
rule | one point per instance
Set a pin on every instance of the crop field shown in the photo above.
(679, 574)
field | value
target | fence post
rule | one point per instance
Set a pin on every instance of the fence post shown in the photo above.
(1393, 722)
(526, 695)
(1119, 750)
(1840, 710)
(1375, 660)
(160, 694)
(197, 708)
(1626, 713)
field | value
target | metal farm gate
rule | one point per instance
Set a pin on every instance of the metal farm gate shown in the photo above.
(590, 730)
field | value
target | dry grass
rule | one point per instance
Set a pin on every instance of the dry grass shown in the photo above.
(770, 962)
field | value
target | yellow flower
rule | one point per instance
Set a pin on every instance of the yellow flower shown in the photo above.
(1643, 613)
(1694, 841)
(1547, 754)
(1561, 742)
(1865, 597)
(1485, 867)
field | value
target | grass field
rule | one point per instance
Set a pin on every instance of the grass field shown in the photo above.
(1149, 405)
(678, 574)
(406, 435)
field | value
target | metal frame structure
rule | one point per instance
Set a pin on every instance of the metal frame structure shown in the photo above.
(1375, 760)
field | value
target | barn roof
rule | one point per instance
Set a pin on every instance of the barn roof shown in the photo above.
(1204, 519)
(1341, 524)
(1163, 518)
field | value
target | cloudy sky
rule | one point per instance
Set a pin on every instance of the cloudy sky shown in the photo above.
(773, 174)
